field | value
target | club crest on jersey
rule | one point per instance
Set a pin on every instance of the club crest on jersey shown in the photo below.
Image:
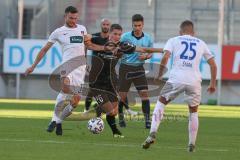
(82, 32)
(76, 39)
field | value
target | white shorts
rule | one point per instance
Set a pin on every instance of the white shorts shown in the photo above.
(75, 74)
(192, 94)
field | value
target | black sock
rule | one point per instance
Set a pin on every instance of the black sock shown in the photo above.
(112, 123)
(98, 110)
(126, 104)
(120, 111)
(146, 109)
(88, 102)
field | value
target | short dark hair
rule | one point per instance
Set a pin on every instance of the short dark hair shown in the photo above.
(71, 9)
(115, 26)
(137, 17)
(185, 24)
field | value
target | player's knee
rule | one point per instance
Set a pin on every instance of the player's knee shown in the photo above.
(113, 112)
(193, 109)
(164, 100)
(75, 100)
(123, 97)
(143, 94)
(65, 89)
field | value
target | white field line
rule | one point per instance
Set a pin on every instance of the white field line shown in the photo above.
(108, 144)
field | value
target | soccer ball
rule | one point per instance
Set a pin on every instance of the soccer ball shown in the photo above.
(95, 125)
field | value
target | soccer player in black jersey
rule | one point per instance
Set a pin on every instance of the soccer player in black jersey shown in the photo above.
(103, 78)
(104, 34)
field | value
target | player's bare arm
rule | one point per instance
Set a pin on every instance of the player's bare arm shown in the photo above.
(39, 57)
(149, 50)
(164, 61)
(91, 46)
(213, 69)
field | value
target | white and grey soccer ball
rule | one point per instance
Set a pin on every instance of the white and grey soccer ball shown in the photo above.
(95, 125)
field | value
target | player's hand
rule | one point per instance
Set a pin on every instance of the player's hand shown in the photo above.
(87, 39)
(142, 56)
(111, 48)
(211, 88)
(118, 54)
(157, 79)
(29, 71)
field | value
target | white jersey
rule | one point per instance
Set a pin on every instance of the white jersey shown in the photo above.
(187, 52)
(71, 41)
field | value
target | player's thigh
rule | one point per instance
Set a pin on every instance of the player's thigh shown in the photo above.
(124, 81)
(140, 79)
(65, 84)
(193, 95)
(73, 80)
(141, 86)
(123, 96)
(171, 90)
(104, 100)
(78, 79)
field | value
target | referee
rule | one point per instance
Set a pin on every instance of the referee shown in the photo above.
(132, 71)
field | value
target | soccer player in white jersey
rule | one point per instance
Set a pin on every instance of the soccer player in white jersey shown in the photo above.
(185, 77)
(71, 38)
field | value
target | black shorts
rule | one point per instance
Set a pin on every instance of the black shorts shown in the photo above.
(103, 96)
(132, 74)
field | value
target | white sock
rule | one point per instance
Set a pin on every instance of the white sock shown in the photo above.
(193, 127)
(58, 106)
(157, 116)
(67, 111)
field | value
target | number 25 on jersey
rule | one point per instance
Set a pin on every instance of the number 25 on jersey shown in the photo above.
(189, 52)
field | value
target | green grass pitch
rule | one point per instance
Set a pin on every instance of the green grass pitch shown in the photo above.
(23, 135)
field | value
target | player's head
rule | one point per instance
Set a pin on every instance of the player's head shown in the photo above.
(71, 16)
(115, 32)
(105, 25)
(187, 27)
(137, 23)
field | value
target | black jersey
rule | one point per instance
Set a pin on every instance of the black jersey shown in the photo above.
(98, 34)
(102, 74)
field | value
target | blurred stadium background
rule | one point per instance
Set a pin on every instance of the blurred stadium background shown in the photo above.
(162, 19)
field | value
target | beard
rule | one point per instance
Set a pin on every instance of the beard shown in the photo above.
(105, 30)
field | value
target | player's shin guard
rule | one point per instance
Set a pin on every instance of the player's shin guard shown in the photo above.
(120, 111)
(66, 112)
(88, 102)
(126, 104)
(112, 123)
(59, 106)
(146, 110)
(193, 127)
(157, 116)
(98, 110)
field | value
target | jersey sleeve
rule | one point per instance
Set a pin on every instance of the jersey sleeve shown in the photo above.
(207, 54)
(53, 37)
(169, 46)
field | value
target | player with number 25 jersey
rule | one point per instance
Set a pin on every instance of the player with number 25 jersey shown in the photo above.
(187, 52)
(185, 77)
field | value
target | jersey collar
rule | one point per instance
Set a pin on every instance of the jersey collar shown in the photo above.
(138, 37)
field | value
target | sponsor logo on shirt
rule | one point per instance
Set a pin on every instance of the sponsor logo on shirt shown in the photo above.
(76, 39)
